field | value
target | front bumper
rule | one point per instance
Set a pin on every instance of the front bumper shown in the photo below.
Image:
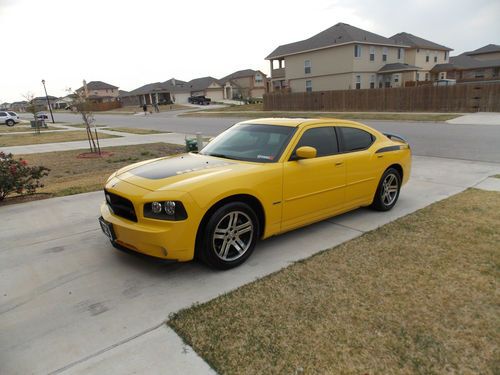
(173, 240)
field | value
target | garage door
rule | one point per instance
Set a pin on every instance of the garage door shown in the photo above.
(216, 95)
(181, 98)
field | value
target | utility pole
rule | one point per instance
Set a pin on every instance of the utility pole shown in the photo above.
(48, 101)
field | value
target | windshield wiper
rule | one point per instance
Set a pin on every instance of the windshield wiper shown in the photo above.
(221, 156)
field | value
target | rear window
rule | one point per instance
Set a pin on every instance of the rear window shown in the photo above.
(355, 139)
(12, 113)
(3, 114)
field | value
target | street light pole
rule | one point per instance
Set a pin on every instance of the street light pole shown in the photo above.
(48, 101)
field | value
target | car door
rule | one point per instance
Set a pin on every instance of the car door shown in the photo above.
(313, 189)
(3, 117)
(362, 167)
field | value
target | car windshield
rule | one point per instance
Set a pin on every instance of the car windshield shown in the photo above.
(250, 142)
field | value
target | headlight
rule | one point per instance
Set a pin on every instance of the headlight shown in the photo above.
(166, 210)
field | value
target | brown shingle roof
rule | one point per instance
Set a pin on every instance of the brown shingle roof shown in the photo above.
(338, 34)
(417, 42)
(490, 48)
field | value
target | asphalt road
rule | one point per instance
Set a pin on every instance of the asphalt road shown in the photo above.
(437, 139)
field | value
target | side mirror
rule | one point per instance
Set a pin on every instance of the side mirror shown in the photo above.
(306, 152)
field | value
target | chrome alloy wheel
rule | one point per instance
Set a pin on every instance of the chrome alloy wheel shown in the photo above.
(233, 235)
(390, 188)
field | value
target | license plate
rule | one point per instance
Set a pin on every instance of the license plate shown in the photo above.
(107, 228)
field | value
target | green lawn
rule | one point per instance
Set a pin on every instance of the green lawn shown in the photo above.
(416, 296)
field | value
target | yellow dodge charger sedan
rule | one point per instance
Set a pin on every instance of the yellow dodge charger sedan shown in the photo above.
(257, 179)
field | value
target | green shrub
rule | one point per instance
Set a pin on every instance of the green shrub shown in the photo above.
(17, 177)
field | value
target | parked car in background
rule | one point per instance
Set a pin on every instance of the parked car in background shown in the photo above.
(445, 82)
(9, 118)
(200, 100)
(42, 116)
(257, 179)
(165, 102)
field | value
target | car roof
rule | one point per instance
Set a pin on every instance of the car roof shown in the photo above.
(300, 122)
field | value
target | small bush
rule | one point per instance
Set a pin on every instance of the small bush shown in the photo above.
(17, 177)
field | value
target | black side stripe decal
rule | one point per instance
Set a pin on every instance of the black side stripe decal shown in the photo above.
(387, 149)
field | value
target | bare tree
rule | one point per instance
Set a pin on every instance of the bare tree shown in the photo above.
(33, 109)
(83, 106)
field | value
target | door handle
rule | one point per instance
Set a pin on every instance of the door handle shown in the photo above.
(339, 163)
(380, 156)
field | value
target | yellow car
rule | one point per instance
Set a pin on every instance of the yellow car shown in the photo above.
(257, 179)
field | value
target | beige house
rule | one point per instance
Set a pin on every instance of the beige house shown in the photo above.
(345, 57)
(244, 84)
(480, 64)
(99, 92)
(423, 54)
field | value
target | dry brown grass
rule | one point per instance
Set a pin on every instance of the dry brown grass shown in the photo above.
(72, 175)
(416, 296)
(22, 128)
(128, 110)
(53, 137)
(137, 131)
(232, 112)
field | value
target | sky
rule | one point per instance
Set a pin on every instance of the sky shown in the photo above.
(131, 43)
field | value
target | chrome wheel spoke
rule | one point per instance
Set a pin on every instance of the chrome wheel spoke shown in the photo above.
(243, 228)
(233, 235)
(224, 249)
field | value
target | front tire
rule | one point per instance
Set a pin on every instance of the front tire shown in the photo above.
(230, 236)
(9, 122)
(387, 193)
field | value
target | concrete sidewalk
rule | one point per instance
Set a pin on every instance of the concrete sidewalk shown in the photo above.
(124, 140)
(479, 118)
(70, 303)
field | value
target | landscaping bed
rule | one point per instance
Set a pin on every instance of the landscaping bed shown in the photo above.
(416, 296)
(70, 173)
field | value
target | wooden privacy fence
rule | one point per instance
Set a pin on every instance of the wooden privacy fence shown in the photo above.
(105, 106)
(456, 98)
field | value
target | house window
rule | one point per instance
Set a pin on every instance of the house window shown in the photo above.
(426, 76)
(479, 74)
(372, 81)
(400, 53)
(427, 56)
(357, 51)
(384, 54)
(258, 78)
(435, 58)
(396, 78)
(441, 76)
(309, 86)
(372, 53)
(418, 76)
(445, 55)
(358, 82)
(307, 66)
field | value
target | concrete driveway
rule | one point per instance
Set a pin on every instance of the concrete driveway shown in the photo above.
(71, 303)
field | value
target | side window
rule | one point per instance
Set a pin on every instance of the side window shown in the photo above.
(324, 140)
(355, 139)
(3, 114)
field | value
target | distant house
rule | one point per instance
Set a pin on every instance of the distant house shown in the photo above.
(19, 106)
(207, 86)
(99, 92)
(346, 57)
(40, 102)
(172, 90)
(480, 64)
(423, 54)
(5, 106)
(247, 83)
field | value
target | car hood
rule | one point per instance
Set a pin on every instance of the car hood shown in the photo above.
(180, 172)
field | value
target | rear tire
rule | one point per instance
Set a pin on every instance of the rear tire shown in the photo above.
(387, 193)
(10, 122)
(230, 236)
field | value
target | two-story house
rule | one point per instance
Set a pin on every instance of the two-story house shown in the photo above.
(422, 53)
(99, 92)
(480, 64)
(244, 84)
(346, 57)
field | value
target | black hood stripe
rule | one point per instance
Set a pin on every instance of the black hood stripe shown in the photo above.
(176, 165)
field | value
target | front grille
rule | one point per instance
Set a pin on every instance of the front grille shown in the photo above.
(120, 206)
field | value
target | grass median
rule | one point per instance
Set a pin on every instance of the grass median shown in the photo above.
(418, 295)
(52, 137)
(23, 129)
(70, 174)
(337, 115)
